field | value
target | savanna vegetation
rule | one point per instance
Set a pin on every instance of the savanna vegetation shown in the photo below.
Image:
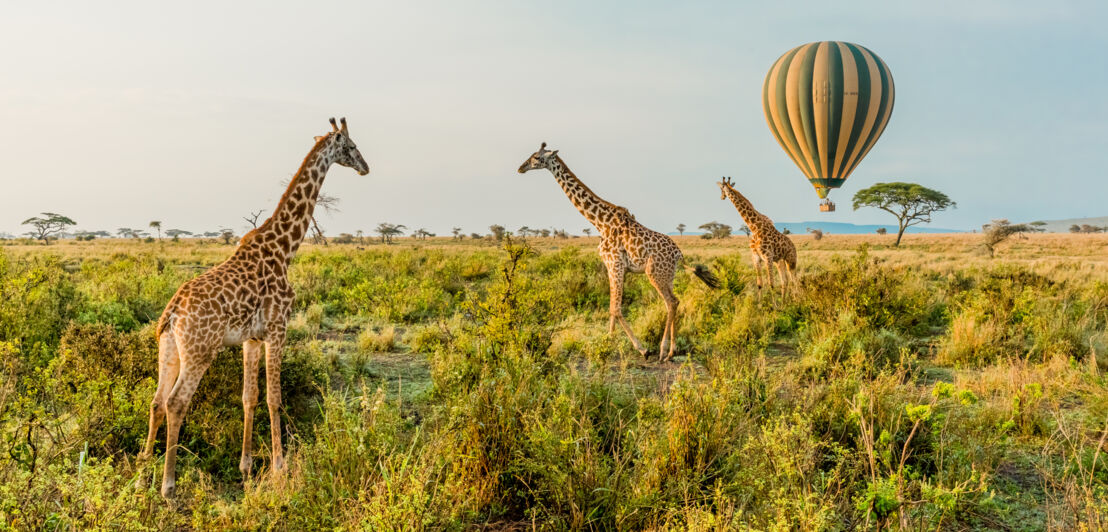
(444, 383)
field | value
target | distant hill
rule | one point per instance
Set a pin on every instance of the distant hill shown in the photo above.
(839, 228)
(1063, 226)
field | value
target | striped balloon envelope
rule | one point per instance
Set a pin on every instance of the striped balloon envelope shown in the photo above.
(827, 103)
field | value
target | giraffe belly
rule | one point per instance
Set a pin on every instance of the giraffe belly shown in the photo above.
(251, 328)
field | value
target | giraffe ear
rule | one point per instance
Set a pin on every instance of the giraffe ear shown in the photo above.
(317, 138)
(554, 153)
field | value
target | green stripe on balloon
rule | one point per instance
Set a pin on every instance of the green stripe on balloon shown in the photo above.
(804, 100)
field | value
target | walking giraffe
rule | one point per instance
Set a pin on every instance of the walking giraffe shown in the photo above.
(625, 246)
(767, 245)
(244, 300)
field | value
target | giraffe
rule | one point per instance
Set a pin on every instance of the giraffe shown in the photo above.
(767, 245)
(245, 301)
(625, 246)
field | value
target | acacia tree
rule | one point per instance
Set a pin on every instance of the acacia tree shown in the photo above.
(156, 224)
(50, 223)
(999, 230)
(716, 230)
(253, 218)
(587, 231)
(497, 231)
(911, 203)
(681, 229)
(176, 234)
(457, 233)
(387, 231)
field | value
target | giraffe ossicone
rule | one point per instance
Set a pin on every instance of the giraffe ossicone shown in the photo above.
(244, 300)
(626, 246)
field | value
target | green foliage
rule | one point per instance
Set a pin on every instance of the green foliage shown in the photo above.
(879, 395)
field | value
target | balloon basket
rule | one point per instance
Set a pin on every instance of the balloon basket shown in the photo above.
(827, 206)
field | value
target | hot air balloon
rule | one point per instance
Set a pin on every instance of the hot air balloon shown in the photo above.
(827, 103)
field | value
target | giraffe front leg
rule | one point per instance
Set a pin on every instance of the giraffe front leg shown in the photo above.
(251, 356)
(615, 304)
(757, 260)
(273, 352)
(274, 347)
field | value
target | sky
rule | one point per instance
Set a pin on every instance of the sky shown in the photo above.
(193, 114)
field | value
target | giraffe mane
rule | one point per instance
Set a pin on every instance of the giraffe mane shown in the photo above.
(589, 190)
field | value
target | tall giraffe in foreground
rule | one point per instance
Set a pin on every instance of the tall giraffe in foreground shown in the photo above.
(625, 246)
(245, 300)
(767, 245)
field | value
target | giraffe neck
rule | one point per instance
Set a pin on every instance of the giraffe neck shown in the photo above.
(288, 225)
(599, 212)
(755, 220)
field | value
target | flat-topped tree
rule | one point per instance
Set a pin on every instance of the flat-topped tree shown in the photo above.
(625, 246)
(911, 203)
(246, 300)
(47, 225)
(387, 231)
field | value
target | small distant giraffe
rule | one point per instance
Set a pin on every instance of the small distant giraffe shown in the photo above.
(625, 246)
(244, 300)
(767, 245)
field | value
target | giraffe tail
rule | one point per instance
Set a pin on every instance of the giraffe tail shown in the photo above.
(164, 319)
(703, 273)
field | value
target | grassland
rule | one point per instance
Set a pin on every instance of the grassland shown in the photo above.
(453, 385)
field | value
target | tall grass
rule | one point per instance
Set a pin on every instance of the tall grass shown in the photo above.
(453, 386)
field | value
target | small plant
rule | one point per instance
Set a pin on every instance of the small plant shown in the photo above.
(377, 339)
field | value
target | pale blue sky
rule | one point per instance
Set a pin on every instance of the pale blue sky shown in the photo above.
(193, 113)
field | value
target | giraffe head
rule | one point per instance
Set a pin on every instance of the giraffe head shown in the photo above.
(724, 186)
(346, 152)
(539, 159)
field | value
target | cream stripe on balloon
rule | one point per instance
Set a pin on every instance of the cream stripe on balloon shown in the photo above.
(821, 105)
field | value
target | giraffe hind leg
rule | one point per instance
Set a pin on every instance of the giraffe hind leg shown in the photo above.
(664, 285)
(194, 363)
(169, 365)
(782, 276)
